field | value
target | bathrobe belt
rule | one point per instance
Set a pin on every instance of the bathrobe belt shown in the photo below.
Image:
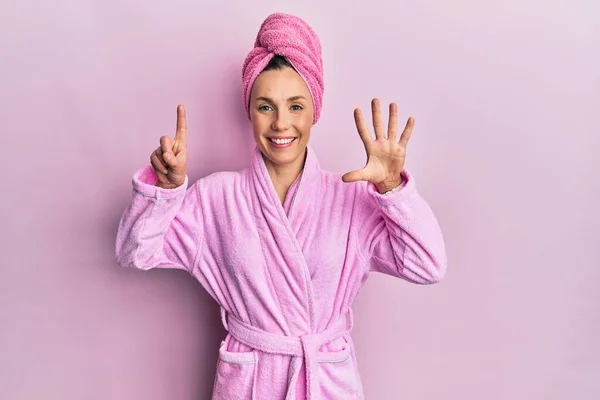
(303, 348)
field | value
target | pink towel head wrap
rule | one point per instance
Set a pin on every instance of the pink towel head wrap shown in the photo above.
(292, 38)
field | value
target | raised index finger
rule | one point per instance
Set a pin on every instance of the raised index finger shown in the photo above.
(181, 133)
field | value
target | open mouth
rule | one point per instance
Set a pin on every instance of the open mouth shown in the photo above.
(281, 142)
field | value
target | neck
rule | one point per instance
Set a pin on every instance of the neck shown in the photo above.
(284, 175)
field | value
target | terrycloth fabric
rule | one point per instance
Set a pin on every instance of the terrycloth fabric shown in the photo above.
(303, 349)
(285, 281)
(291, 37)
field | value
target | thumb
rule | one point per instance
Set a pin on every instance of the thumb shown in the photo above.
(170, 159)
(177, 163)
(354, 176)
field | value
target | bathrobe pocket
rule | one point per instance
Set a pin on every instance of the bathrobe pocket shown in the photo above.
(235, 377)
(338, 375)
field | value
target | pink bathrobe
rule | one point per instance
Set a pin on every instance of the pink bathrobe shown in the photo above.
(284, 276)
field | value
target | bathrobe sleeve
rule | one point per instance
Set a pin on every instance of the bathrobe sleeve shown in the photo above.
(160, 228)
(400, 235)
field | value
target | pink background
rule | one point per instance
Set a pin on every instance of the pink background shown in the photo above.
(506, 96)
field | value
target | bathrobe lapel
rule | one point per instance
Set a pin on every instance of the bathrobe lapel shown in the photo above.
(279, 235)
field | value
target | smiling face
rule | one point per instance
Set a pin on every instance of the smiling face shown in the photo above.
(281, 111)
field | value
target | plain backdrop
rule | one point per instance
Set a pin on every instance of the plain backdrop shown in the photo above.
(506, 149)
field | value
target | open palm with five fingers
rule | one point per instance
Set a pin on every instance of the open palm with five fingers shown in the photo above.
(385, 155)
(170, 158)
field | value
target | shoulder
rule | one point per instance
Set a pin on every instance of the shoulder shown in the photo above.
(221, 184)
(218, 178)
(361, 195)
(332, 185)
(333, 180)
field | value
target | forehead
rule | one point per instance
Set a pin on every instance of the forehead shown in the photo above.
(280, 83)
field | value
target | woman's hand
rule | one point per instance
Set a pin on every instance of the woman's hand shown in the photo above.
(385, 156)
(170, 158)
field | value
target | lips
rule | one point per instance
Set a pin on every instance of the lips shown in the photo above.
(281, 140)
(281, 143)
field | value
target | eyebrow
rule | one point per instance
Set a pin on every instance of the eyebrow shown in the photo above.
(269, 100)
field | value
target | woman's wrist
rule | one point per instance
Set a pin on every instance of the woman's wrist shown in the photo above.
(385, 187)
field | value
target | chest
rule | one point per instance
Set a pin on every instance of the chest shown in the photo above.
(253, 238)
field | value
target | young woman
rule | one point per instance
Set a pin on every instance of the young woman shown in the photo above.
(284, 246)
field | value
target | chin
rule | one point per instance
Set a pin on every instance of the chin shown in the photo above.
(283, 156)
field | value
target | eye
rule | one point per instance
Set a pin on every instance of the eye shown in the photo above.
(296, 107)
(264, 107)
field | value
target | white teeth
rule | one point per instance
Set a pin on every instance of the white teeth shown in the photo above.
(281, 141)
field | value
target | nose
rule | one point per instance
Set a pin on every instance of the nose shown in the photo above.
(281, 122)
